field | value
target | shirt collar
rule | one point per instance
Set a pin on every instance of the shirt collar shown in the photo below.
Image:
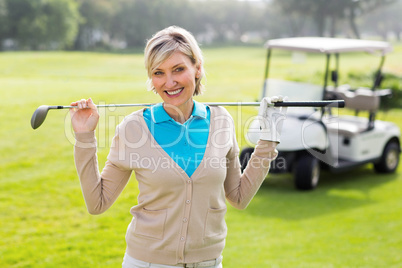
(199, 110)
(159, 114)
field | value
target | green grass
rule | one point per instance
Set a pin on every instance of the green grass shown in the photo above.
(350, 220)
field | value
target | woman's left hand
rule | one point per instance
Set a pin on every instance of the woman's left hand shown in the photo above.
(271, 118)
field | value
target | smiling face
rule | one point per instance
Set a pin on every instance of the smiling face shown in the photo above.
(175, 81)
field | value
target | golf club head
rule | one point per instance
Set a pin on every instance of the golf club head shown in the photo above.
(39, 116)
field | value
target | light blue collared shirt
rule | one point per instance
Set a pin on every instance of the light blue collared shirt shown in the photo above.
(184, 143)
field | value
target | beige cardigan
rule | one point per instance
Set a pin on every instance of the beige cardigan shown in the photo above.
(178, 219)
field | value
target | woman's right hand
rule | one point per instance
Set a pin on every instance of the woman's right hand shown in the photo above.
(85, 117)
(271, 118)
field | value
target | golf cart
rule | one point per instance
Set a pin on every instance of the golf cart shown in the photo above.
(314, 138)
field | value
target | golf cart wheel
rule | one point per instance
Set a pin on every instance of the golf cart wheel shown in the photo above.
(245, 156)
(390, 158)
(306, 172)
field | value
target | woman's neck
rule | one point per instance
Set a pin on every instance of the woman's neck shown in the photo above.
(180, 113)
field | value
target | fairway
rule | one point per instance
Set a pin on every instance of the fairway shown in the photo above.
(351, 220)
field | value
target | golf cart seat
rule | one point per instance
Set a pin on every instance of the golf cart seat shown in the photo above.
(348, 127)
(361, 99)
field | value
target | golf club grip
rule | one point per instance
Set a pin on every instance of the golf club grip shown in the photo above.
(336, 103)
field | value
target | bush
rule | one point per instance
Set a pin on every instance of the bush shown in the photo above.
(393, 82)
(390, 81)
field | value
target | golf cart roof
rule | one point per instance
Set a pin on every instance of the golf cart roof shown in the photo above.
(329, 45)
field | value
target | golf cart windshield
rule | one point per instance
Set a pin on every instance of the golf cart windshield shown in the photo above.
(296, 91)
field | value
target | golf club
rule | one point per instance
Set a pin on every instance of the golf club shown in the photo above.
(40, 113)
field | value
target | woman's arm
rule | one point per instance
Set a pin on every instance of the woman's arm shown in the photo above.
(241, 188)
(99, 190)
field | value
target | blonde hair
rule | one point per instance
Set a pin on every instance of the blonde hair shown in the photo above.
(168, 41)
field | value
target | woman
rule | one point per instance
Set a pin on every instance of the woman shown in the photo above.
(185, 158)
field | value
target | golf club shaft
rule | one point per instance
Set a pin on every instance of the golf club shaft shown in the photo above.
(337, 103)
(39, 116)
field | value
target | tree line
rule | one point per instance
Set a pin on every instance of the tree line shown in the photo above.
(93, 24)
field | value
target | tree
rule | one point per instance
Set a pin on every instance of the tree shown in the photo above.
(62, 18)
(3, 22)
(361, 7)
(133, 21)
(40, 24)
(137, 20)
(229, 19)
(384, 20)
(332, 11)
(97, 16)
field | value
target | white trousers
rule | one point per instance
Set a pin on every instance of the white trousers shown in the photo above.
(130, 262)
